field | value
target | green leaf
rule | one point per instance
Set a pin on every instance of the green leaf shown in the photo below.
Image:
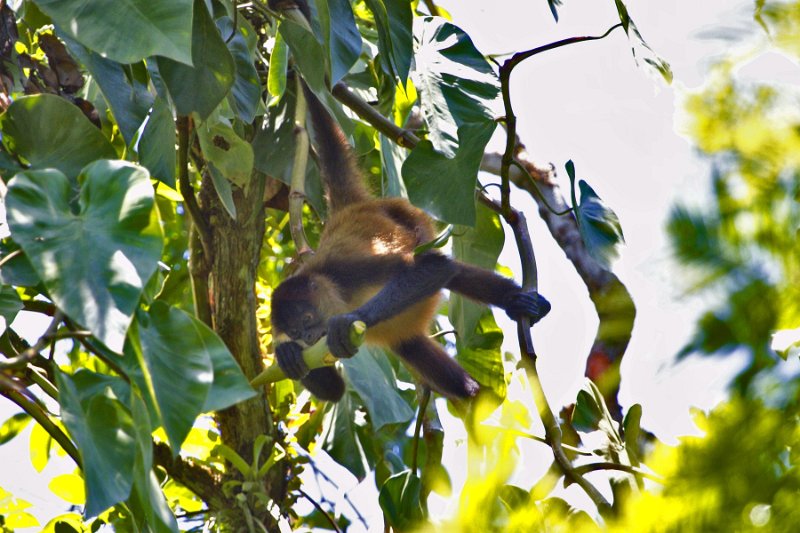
(95, 262)
(278, 66)
(640, 47)
(40, 446)
(482, 357)
(157, 145)
(377, 389)
(479, 246)
(599, 227)
(126, 30)
(27, 127)
(399, 499)
(393, 21)
(147, 500)
(587, 413)
(306, 52)
(104, 432)
(229, 153)
(456, 84)
(10, 303)
(392, 157)
(13, 427)
(178, 367)
(130, 101)
(245, 94)
(631, 426)
(341, 36)
(341, 441)
(446, 187)
(201, 87)
(224, 190)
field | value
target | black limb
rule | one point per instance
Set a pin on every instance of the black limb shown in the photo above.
(325, 383)
(527, 305)
(290, 358)
(437, 368)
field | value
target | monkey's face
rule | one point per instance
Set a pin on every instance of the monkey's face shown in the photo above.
(295, 310)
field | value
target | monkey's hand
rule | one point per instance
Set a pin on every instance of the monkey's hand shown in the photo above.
(290, 358)
(527, 305)
(339, 342)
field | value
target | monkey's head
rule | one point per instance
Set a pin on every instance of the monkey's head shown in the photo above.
(302, 305)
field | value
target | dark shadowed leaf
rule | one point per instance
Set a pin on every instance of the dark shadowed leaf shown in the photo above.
(28, 131)
(201, 87)
(307, 53)
(341, 36)
(445, 187)
(341, 441)
(96, 261)
(10, 303)
(126, 30)
(246, 91)
(130, 101)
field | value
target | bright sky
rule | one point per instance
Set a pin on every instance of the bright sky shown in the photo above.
(592, 104)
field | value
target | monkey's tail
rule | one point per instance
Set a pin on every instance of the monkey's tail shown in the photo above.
(339, 170)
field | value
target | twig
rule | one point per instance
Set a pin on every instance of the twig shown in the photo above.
(9, 257)
(30, 353)
(423, 405)
(593, 467)
(10, 390)
(297, 192)
(319, 508)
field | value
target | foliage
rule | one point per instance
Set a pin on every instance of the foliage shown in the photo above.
(146, 153)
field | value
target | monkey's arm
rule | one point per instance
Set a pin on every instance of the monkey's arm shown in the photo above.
(487, 287)
(425, 277)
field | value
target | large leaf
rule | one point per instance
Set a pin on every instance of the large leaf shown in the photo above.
(446, 187)
(246, 90)
(308, 54)
(178, 367)
(376, 388)
(200, 87)
(479, 246)
(96, 261)
(341, 36)
(157, 144)
(393, 22)
(482, 357)
(126, 30)
(129, 99)
(103, 430)
(49, 132)
(455, 83)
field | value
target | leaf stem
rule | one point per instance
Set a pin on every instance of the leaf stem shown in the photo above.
(423, 405)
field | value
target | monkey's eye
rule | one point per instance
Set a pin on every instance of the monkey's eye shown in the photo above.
(307, 318)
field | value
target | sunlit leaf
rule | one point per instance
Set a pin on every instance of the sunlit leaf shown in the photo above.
(28, 131)
(229, 153)
(94, 262)
(69, 487)
(126, 30)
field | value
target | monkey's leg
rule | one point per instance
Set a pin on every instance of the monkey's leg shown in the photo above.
(436, 367)
(414, 283)
(325, 383)
(487, 287)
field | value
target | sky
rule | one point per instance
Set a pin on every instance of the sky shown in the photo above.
(593, 104)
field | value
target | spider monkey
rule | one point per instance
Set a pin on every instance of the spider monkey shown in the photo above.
(365, 269)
